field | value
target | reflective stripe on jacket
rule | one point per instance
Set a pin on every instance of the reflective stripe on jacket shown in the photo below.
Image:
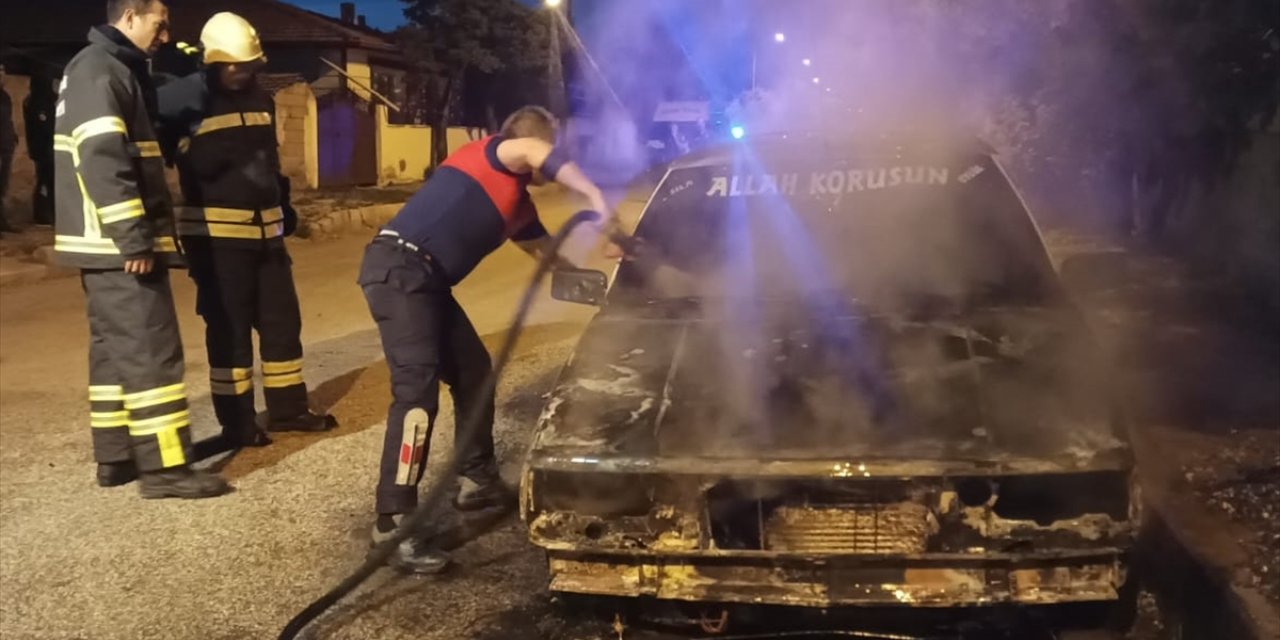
(224, 146)
(113, 202)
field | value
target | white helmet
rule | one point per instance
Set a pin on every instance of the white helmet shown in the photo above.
(227, 37)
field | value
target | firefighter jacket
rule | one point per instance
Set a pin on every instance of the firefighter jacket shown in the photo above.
(224, 145)
(113, 202)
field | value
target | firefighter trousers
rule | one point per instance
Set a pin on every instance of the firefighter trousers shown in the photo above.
(138, 403)
(426, 337)
(240, 289)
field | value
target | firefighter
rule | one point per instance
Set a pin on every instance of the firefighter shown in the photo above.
(218, 128)
(475, 201)
(115, 224)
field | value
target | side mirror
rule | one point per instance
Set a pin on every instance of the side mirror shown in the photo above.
(583, 286)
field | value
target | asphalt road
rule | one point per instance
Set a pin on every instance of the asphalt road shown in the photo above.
(78, 561)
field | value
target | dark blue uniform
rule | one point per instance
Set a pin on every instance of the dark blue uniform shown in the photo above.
(470, 205)
(234, 217)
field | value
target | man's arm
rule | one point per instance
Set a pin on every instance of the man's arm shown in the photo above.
(534, 239)
(179, 103)
(539, 248)
(526, 155)
(107, 172)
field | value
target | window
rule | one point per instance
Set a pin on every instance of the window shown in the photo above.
(393, 85)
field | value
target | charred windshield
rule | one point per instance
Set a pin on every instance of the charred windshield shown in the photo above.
(886, 231)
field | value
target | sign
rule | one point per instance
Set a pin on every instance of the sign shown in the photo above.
(827, 182)
(682, 112)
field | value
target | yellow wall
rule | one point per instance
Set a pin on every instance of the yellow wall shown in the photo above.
(457, 137)
(360, 71)
(404, 151)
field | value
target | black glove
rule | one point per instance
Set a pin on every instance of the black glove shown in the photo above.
(290, 219)
(290, 215)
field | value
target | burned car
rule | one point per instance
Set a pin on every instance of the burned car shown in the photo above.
(835, 372)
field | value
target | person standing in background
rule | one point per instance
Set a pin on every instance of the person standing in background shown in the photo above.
(38, 118)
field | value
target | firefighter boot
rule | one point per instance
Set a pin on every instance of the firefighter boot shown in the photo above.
(306, 421)
(414, 555)
(247, 437)
(114, 474)
(182, 482)
(487, 493)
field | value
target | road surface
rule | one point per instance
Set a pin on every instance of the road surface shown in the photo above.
(78, 561)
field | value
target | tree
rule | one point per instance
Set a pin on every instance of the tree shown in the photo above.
(450, 41)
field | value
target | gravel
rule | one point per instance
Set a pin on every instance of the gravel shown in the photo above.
(1242, 481)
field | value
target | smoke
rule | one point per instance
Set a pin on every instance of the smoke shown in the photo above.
(1032, 78)
(886, 234)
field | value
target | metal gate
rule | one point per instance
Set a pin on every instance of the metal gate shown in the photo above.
(348, 142)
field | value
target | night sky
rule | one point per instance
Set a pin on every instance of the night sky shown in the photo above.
(382, 14)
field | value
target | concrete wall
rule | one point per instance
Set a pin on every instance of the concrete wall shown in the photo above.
(404, 151)
(22, 179)
(294, 127)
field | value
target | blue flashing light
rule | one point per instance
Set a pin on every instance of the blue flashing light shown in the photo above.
(737, 132)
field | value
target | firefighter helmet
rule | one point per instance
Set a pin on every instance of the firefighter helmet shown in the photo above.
(227, 37)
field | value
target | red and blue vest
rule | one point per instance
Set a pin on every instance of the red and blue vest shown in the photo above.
(469, 206)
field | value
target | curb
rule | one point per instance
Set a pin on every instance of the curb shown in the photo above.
(27, 273)
(42, 265)
(336, 223)
(1205, 599)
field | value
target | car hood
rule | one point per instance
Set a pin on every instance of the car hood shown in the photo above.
(996, 385)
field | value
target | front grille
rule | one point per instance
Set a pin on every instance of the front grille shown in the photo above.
(856, 528)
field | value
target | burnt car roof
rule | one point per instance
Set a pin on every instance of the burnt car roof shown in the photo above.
(825, 143)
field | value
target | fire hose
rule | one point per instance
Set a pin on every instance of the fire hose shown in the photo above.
(414, 521)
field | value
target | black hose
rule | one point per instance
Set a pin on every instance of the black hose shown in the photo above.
(410, 524)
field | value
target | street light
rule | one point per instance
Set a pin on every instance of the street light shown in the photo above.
(816, 80)
(779, 37)
(807, 62)
(555, 70)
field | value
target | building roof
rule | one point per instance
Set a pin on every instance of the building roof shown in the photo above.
(278, 23)
(273, 82)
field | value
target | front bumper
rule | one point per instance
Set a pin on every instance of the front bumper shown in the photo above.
(944, 581)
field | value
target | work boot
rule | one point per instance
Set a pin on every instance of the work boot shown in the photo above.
(242, 438)
(414, 555)
(306, 421)
(182, 482)
(114, 474)
(490, 492)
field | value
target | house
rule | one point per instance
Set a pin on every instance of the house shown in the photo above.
(333, 126)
